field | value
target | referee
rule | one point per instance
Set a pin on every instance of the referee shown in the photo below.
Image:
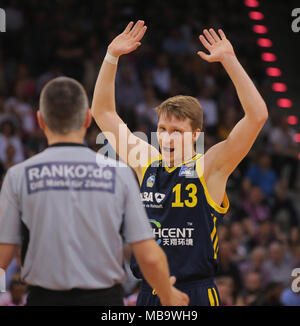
(71, 211)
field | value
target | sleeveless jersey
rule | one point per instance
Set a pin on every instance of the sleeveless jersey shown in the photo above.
(183, 216)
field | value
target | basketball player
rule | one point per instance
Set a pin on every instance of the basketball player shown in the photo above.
(183, 211)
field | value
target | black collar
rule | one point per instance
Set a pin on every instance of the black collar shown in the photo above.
(67, 144)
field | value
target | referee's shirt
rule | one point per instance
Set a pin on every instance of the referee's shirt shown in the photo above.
(71, 212)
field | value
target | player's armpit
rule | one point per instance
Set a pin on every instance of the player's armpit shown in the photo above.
(213, 182)
(131, 148)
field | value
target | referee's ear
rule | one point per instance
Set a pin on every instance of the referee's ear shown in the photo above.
(40, 120)
(88, 119)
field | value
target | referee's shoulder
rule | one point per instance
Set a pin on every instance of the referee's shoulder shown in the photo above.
(18, 168)
(124, 172)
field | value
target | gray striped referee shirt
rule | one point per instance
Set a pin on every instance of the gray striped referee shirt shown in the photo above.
(71, 212)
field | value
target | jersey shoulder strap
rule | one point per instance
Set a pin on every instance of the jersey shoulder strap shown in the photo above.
(145, 167)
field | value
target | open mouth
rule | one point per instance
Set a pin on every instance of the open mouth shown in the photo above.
(168, 149)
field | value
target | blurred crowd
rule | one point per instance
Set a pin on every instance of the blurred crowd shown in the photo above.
(259, 237)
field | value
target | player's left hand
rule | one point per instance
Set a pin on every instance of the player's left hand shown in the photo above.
(217, 45)
(129, 40)
(176, 298)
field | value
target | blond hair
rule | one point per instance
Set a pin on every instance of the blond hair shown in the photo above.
(182, 107)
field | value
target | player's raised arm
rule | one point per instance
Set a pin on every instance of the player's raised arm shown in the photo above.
(103, 105)
(226, 155)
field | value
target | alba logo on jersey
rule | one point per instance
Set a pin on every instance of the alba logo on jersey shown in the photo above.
(148, 197)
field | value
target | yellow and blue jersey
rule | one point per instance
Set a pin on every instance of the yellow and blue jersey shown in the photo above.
(183, 216)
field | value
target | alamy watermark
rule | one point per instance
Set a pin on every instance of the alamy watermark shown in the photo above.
(296, 22)
(175, 148)
(2, 281)
(296, 280)
(2, 21)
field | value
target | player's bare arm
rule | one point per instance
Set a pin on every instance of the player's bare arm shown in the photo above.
(104, 107)
(224, 157)
(153, 263)
(7, 252)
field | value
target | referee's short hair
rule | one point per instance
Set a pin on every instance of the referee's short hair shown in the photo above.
(63, 105)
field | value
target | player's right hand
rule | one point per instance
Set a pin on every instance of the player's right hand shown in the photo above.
(176, 297)
(129, 40)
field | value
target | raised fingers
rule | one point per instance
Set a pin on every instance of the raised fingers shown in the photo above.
(141, 33)
(214, 35)
(128, 28)
(209, 37)
(136, 28)
(204, 41)
(222, 34)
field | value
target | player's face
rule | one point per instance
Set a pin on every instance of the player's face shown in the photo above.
(176, 139)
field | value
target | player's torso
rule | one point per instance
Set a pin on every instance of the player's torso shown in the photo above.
(183, 222)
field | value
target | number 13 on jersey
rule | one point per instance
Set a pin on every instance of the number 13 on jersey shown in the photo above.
(191, 189)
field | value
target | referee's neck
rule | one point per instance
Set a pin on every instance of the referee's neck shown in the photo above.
(69, 138)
